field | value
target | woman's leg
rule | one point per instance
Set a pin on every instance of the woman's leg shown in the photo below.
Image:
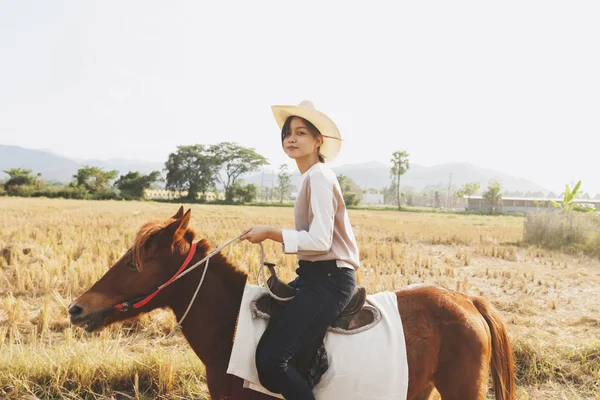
(317, 304)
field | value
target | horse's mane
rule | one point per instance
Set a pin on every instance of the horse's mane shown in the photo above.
(226, 270)
(143, 235)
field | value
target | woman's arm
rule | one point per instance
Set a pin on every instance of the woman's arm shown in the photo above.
(257, 234)
(319, 236)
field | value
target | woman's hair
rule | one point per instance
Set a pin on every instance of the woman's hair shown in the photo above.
(285, 131)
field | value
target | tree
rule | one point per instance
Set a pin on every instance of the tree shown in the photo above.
(21, 177)
(133, 185)
(390, 194)
(284, 185)
(437, 199)
(468, 189)
(266, 192)
(243, 193)
(94, 179)
(192, 168)
(493, 195)
(350, 190)
(235, 160)
(21, 182)
(410, 198)
(400, 165)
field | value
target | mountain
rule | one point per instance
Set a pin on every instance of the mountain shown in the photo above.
(51, 166)
(373, 174)
(54, 167)
(376, 175)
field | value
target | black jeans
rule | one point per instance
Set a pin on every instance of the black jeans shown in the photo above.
(322, 292)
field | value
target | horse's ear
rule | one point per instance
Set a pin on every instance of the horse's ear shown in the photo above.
(179, 227)
(179, 213)
(185, 221)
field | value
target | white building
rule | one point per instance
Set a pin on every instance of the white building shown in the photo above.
(168, 195)
(522, 204)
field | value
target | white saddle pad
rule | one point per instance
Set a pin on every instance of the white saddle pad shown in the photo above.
(368, 365)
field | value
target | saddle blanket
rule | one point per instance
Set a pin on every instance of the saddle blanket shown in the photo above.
(368, 365)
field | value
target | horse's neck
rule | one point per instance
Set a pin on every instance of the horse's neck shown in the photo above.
(210, 323)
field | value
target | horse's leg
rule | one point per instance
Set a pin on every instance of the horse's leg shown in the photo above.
(463, 391)
(423, 339)
(464, 376)
(424, 394)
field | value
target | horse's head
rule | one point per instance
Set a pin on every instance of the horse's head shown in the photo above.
(159, 249)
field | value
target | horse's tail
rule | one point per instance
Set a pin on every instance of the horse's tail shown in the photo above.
(503, 369)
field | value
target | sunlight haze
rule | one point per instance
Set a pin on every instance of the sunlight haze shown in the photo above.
(511, 86)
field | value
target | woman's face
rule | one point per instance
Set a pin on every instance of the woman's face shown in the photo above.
(300, 141)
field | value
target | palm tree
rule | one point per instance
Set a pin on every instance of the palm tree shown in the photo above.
(400, 165)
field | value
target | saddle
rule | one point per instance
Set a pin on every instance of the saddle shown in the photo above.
(311, 361)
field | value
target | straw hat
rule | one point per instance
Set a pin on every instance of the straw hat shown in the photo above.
(332, 139)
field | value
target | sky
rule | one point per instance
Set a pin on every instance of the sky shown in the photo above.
(512, 86)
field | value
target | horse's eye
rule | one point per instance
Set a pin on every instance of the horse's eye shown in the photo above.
(132, 266)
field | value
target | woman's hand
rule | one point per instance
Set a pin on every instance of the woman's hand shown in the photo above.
(257, 234)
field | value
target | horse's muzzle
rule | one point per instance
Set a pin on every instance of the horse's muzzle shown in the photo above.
(91, 321)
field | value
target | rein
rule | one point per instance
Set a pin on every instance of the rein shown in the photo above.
(143, 300)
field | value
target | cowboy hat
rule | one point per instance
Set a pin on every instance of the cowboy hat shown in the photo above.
(332, 139)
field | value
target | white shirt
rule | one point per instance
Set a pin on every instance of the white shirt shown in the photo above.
(323, 230)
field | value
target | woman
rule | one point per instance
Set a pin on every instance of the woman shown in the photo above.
(322, 239)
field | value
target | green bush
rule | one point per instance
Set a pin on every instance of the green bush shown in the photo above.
(351, 199)
(566, 231)
(66, 192)
(105, 194)
(22, 190)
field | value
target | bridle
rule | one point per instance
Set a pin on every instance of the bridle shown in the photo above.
(141, 301)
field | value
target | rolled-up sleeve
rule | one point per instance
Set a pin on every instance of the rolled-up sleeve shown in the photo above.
(319, 237)
(290, 241)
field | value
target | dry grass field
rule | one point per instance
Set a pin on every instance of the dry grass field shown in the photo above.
(53, 250)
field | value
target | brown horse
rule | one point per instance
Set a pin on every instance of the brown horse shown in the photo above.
(451, 338)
